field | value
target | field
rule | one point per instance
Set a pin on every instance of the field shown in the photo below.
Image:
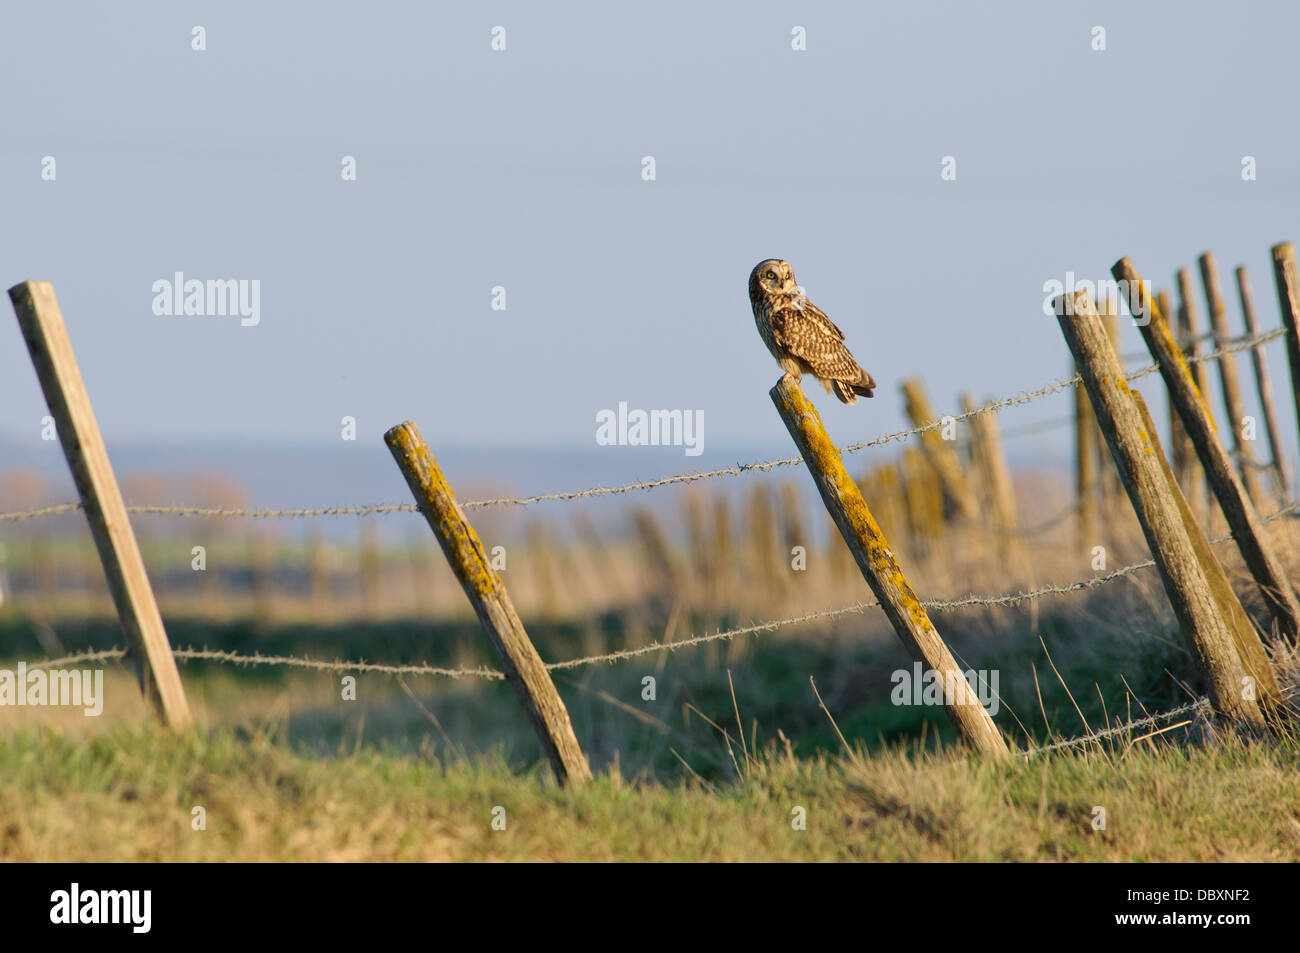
(128, 795)
(740, 732)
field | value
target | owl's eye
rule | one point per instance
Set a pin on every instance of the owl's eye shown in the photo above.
(771, 276)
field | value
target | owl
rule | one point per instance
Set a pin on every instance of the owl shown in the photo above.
(800, 336)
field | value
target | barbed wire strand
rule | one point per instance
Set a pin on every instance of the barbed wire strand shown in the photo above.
(229, 657)
(1199, 704)
(640, 485)
(1005, 599)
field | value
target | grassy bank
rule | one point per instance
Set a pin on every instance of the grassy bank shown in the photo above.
(129, 795)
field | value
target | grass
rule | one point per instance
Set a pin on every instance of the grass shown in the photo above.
(710, 768)
(129, 795)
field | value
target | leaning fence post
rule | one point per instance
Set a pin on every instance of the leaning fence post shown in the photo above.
(1249, 647)
(849, 511)
(523, 667)
(941, 453)
(1108, 479)
(1246, 527)
(1184, 581)
(1287, 278)
(1181, 454)
(65, 393)
(1228, 374)
(1263, 383)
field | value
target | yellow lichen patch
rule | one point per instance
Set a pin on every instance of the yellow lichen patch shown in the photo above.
(434, 495)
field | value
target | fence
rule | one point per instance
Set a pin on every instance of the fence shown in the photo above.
(1224, 647)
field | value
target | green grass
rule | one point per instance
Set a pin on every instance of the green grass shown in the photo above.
(129, 795)
(287, 770)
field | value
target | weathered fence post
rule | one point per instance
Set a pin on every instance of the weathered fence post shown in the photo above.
(1182, 456)
(1188, 332)
(1247, 530)
(1287, 278)
(65, 393)
(1228, 375)
(523, 667)
(1249, 647)
(991, 463)
(1085, 466)
(871, 551)
(1108, 479)
(924, 500)
(1130, 445)
(1192, 325)
(1263, 383)
(941, 453)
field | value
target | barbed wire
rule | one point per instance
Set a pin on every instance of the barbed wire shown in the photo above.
(640, 485)
(1005, 599)
(1198, 705)
(318, 664)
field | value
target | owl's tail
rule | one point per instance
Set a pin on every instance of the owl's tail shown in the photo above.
(864, 386)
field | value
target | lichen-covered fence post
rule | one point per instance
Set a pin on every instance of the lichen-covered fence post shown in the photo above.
(1108, 480)
(1263, 383)
(1188, 334)
(1185, 583)
(1181, 454)
(523, 667)
(871, 551)
(941, 453)
(1228, 375)
(1249, 647)
(1287, 278)
(74, 418)
(1247, 528)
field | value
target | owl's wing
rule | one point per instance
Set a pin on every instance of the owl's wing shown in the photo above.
(805, 331)
(818, 315)
(808, 334)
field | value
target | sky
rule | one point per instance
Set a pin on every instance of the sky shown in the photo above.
(523, 169)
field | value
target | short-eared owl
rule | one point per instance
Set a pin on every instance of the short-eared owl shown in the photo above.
(800, 336)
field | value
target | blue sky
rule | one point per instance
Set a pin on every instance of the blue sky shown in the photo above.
(522, 169)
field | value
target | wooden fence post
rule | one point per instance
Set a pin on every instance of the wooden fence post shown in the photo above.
(871, 551)
(1192, 325)
(523, 667)
(1263, 384)
(1249, 647)
(1287, 278)
(1184, 581)
(65, 393)
(1085, 466)
(991, 463)
(1181, 454)
(1247, 530)
(1108, 479)
(924, 501)
(1187, 332)
(941, 453)
(1228, 375)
